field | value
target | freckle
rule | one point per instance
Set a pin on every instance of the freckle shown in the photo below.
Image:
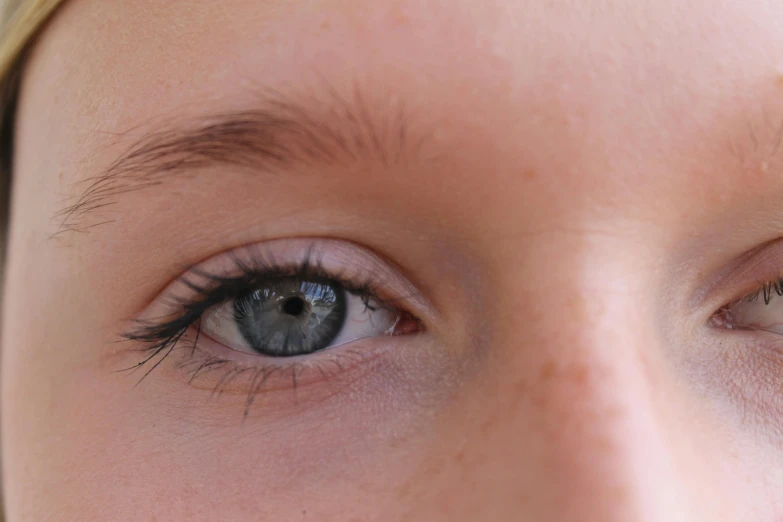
(547, 371)
(779, 81)
(486, 426)
(459, 456)
(541, 400)
(401, 17)
(578, 374)
(529, 174)
(520, 392)
(326, 25)
(404, 491)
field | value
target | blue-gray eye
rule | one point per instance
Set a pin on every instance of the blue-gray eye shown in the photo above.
(290, 316)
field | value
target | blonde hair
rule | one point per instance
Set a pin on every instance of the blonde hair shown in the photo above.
(21, 21)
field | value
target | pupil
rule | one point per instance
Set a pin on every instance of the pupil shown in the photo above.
(293, 306)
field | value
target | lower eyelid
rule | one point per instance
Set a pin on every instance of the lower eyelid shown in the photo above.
(220, 370)
(745, 353)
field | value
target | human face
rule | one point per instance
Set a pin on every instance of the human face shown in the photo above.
(548, 217)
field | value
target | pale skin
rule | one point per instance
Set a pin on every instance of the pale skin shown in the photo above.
(579, 188)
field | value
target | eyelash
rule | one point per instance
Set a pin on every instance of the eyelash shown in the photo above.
(159, 337)
(766, 291)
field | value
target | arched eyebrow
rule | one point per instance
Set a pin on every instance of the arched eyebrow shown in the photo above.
(278, 136)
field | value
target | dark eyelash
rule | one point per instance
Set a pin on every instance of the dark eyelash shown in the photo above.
(160, 336)
(766, 291)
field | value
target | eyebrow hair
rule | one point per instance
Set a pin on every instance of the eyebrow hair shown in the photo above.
(279, 135)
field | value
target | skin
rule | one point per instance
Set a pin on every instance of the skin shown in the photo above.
(590, 183)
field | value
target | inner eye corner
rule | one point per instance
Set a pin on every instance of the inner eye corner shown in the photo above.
(720, 318)
(755, 311)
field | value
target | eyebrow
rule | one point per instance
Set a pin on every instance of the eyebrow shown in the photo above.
(280, 135)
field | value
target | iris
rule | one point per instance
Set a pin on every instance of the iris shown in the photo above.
(291, 316)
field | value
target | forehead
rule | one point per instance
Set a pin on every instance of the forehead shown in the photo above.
(595, 99)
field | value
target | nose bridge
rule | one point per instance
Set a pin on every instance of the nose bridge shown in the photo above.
(605, 447)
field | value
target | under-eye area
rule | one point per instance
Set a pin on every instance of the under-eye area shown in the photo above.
(742, 355)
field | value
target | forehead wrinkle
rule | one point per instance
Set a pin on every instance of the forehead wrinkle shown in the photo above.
(276, 135)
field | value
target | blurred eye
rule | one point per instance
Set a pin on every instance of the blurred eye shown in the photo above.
(291, 316)
(762, 310)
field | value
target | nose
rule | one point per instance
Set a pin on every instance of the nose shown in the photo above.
(579, 415)
(599, 447)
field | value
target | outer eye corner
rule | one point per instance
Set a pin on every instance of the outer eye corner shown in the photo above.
(406, 324)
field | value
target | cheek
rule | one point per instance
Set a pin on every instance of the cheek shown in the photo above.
(160, 440)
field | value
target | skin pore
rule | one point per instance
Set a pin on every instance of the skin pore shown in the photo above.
(562, 194)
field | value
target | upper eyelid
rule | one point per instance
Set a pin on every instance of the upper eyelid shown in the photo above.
(743, 276)
(341, 260)
(763, 292)
(219, 284)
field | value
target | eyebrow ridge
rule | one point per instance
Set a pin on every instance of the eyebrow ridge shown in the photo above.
(279, 135)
